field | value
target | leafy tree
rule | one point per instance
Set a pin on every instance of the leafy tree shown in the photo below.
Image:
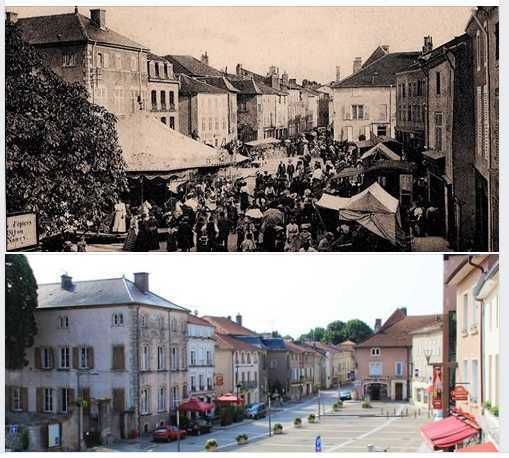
(335, 332)
(356, 331)
(63, 159)
(20, 301)
(316, 334)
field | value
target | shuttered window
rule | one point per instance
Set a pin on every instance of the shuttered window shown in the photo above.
(119, 399)
(118, 358)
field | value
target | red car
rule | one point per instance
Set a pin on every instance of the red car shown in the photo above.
(168, 433)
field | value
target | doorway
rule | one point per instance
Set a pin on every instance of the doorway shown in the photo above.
(398, 395)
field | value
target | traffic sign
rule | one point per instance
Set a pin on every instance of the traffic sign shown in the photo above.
(318, 444)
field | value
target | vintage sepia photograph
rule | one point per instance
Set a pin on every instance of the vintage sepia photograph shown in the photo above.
(104, 353)
(252, 129)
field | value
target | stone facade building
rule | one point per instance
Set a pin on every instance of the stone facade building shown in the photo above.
(112, 343)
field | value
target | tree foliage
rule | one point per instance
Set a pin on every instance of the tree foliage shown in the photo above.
(20, 301)
(338, 331)
(63, 159)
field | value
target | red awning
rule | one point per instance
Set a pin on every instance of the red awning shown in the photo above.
(429, 389)
(229, 398)
(447, 433)
(479, 448)
(195, 405)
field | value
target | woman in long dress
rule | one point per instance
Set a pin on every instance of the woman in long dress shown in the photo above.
(119, 217)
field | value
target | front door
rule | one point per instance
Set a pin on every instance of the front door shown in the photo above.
(399, 392)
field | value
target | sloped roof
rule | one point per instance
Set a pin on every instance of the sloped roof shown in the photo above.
(193, 319)
(379, 52)
(191, 86)
(225, 342)
(70, 28)
(396, 331)
(381, 72)
(228, 327)
(112, 291)
(220, 82)
(327, 347)
(296, 348)
(247, 86)
(189, 65)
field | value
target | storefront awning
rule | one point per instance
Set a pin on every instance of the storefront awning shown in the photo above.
(229, 398)
(263, 141)
(447, 433)
(195, 405)
(479, 448)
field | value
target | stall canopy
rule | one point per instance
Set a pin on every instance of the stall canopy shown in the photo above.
(447, 433)
(228, 398)
(195, 405)
(374, 208)
(380, 151)
(263, 142)
(479, 448)
(152, 150)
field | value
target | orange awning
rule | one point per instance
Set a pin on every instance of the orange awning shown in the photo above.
(479, 448)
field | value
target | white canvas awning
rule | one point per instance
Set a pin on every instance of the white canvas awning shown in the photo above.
(150, 147)
(380, 150)
(263, 141)
(374, 208)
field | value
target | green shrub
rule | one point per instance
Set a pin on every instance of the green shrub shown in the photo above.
(494, 410)
(277, 428)
(210, 444)
(311, 418)
(487, 404)
(25, 440)
(366, 405)
(241, 437)
(297, 421)
(337, 405)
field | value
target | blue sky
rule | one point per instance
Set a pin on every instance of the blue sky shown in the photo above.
(290, 293)
(307, 42)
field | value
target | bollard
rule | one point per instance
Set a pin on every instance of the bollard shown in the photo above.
(415, 413)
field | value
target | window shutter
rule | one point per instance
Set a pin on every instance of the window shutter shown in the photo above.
(347, 111)
(71, 399)
(37, 357)
(51, 358)
(118, 357)
(118, 399)
(39, 393)
(75, 357)
(24, 398)
(366, 113)
(90, 357)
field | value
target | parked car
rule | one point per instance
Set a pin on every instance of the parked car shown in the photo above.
(199, 426)
(168, 433)
(345, 395)
(256, 411)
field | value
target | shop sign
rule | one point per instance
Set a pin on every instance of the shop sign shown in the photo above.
(219, 380)
(22, 231)
(459, 393)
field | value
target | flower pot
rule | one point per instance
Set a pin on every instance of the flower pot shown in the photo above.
(278, 431)
(211, 448)
(242, 441)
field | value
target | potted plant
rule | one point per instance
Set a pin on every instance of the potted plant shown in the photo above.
(337, 405)
(211, 445)
(278, 428)
(312, 418)
(366, 405)
(241, 439)
(297, 422)
(494, 410)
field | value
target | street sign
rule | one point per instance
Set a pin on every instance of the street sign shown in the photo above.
(459, 393)
(318, 444)
(22, 231)
(219, 380)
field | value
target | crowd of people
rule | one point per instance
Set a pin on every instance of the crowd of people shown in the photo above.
(265, 212)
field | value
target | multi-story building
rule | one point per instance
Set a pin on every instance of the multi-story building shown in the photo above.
(111, 343)
(302, 368)
(449, 139)
(237, 368)
(203, 111)
(325, 107)
(242, 355)
(483, 32)
(163, 90)
(112, 67)
(365, 102)
(296, 106)
(426, 352)
(468, 273)
(384, 358)
(200, 358)
(347, 364)
(332, 364)
(249, 109)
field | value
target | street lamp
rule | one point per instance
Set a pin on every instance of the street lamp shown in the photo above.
(79, 373)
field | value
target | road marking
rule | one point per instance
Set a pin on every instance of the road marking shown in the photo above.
(363, 436)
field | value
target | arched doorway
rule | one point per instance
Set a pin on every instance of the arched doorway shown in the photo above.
(376, 391)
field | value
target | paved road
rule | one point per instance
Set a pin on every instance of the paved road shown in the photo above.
(226, 437)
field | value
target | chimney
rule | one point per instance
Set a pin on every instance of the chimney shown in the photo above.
(66, 282)
(284, 79)
(428, 44)
(338, 73)
(98, 17)
(386, 48)
(238, 69)
(357, 64)
(229, 317)
(238, 319)
(403, 310)
(378, 324)
(141, 281)
(205, 58)
(11, 17)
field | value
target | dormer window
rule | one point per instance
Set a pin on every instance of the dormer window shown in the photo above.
(118, 319)
(375, 351)
(63, 322)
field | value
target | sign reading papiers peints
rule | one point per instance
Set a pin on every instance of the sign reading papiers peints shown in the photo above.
(22, 231)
